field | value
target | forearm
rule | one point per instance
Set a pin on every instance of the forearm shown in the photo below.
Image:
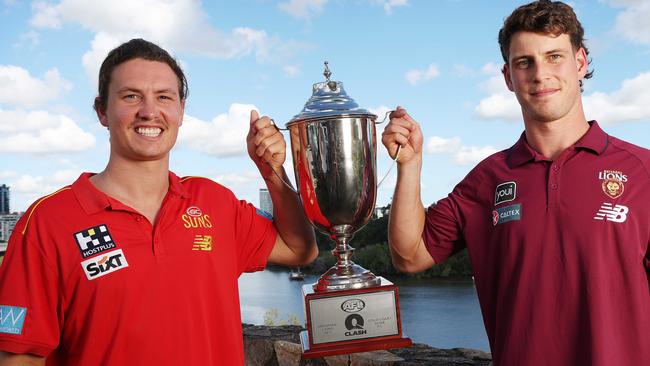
(11, 359)
(291, 223)
(406, 221)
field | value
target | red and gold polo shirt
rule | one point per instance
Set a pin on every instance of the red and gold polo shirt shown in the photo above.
(88, 280)
(560, 251)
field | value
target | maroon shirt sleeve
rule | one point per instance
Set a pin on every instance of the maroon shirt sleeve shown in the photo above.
(444, 221)
(255, 237)
(29, 283)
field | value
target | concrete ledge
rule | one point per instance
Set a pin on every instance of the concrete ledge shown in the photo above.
(280, 346)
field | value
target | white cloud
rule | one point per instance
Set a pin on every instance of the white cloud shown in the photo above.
(416, 76)
(302, 9)
(291, 70)
(31, 39)
(41, 132)
(630, 103)
(501, 103)
(8, 174)
(19, 88)
(225, 135)
(179, 25)
(390, 4)
(633, 23)
(25, 188)
(460, 154)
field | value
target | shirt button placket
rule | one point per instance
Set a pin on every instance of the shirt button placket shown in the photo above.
(553, 184)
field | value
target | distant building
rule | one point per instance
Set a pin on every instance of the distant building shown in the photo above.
(381, 212)
(4, 199)
(7, 224)
(266, 204)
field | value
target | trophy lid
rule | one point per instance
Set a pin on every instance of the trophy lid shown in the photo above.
(329, 99)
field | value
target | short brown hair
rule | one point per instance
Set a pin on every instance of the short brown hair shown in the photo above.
(543, 16)
(135, 48)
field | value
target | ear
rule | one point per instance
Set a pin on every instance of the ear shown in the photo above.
(506, 76)
(182, 112)
(581, 62)
(101, 113)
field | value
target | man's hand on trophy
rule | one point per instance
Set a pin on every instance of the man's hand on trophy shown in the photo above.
(265, 144)
(404, 131)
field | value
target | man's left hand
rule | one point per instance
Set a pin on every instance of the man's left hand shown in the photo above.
(265, 144)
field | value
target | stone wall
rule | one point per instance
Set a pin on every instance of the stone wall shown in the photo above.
(280, 346)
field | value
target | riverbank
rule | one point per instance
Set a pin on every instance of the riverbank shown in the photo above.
(280, 345)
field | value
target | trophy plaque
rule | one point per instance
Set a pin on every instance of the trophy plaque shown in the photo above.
(333, 145)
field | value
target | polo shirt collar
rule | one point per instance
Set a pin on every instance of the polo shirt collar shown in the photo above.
(595, 140)
(92, 200)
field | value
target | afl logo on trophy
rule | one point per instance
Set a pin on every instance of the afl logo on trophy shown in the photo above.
(353, 305)
(354, 323)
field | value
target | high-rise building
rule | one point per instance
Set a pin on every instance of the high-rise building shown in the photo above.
(4, 199)
(7, 224)
(266, 204)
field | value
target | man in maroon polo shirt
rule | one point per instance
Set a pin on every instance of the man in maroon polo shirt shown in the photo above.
(557, 226)
(134, 265)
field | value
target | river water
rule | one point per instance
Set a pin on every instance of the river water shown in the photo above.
(442, 314)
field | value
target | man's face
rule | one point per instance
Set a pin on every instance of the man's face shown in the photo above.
(143, 110)
(544, 72)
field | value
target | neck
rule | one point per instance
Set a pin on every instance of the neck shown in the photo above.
(551, 138)
(140, 185)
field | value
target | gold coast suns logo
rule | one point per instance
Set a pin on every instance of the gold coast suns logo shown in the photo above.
(194, 218)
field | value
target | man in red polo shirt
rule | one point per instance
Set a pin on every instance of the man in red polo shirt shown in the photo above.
(557, 226)
(134, 265)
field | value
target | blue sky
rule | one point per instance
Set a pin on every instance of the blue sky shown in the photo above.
(439, 59)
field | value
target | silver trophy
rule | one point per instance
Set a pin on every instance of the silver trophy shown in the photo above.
(333, 145)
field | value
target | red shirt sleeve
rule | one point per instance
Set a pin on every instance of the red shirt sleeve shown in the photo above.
(256, 236)
(29, 297)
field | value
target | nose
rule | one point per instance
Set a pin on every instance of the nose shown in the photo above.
(148, 109)
(539, 71)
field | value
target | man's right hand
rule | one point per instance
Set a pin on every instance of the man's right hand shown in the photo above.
(404, 131)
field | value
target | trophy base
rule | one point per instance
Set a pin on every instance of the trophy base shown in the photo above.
(352, 277)
(354, 320)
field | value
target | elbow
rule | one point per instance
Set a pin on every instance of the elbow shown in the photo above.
(406, 266)
(308, 256)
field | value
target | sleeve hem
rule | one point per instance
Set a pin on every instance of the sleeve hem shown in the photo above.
(24, 348)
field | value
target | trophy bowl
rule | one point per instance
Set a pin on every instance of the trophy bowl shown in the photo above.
(333, 146)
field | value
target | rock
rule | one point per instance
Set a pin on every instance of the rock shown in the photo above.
(374, 358)
(280, 346)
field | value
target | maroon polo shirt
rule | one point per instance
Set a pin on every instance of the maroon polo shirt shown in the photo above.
(87, 280)
(559, 249)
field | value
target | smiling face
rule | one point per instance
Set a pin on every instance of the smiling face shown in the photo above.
(143, 111)
(544, 72)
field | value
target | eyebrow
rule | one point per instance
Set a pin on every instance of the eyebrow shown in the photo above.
(159, 91)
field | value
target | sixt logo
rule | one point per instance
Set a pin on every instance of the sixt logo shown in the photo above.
(194, 218)
(353, 305)
(12, 319)
(105, 264)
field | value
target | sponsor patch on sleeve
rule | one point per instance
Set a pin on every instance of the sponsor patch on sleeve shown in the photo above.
(12, 319)
(94, 240)
(264, 214)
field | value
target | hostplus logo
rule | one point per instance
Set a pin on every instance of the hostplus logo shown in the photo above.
(95, 240)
